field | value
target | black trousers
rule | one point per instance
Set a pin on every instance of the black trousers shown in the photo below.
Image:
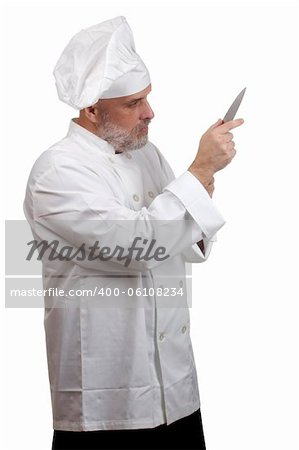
(185, 433)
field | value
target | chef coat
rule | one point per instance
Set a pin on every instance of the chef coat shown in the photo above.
(118, 362)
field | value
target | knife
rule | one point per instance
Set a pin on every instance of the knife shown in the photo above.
(234, 107)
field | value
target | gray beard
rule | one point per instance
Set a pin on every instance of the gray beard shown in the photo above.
(122, 140)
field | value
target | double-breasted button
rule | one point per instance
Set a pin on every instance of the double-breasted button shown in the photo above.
(162, 337)
(181, 283)
(151, 194)
(184, 329)
(136, 197)
(128, 155)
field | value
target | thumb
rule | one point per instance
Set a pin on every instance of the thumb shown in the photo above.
(216, 124)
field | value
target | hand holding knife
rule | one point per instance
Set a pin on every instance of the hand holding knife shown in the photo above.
(216, 147)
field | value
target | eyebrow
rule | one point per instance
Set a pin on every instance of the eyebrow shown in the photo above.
(133, 100)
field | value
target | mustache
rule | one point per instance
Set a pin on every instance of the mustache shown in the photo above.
(144, 123)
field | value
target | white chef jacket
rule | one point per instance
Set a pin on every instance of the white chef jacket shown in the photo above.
(130, 363)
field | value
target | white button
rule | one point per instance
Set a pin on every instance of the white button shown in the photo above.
(151, 194)
(136, 197)
(111, 160)
(184, 329)
(181, 283)
(162, 337)
(128, 155)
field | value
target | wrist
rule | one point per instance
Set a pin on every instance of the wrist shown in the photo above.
(204, 175)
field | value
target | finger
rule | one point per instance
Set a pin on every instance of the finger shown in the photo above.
(234, 151)
(216, 124)
(228, 136)
(231, 145)
(225, 127)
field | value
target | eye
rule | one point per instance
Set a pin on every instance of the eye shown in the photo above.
(132, 104)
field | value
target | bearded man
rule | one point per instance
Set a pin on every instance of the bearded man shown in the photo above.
(121, 365)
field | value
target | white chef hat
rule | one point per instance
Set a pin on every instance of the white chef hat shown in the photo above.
(100, 62)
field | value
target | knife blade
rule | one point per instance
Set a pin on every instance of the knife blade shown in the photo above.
(234, 107)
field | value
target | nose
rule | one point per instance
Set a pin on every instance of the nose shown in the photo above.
(147, 112)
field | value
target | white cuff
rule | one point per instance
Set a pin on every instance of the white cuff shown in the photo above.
(198, 203)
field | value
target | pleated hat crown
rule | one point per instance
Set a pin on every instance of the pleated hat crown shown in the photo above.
(100, 62)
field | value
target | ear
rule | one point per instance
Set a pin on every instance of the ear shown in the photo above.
(91, 113)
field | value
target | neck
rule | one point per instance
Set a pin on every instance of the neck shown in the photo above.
(86, 124)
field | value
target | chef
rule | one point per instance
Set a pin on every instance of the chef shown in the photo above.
(121, 365)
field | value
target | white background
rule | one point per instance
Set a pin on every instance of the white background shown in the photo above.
(244, 318)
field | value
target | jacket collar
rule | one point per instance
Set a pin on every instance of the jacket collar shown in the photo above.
(88, 138)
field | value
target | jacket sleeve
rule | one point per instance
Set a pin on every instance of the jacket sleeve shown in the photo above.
(193, 253)
(75, 205)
